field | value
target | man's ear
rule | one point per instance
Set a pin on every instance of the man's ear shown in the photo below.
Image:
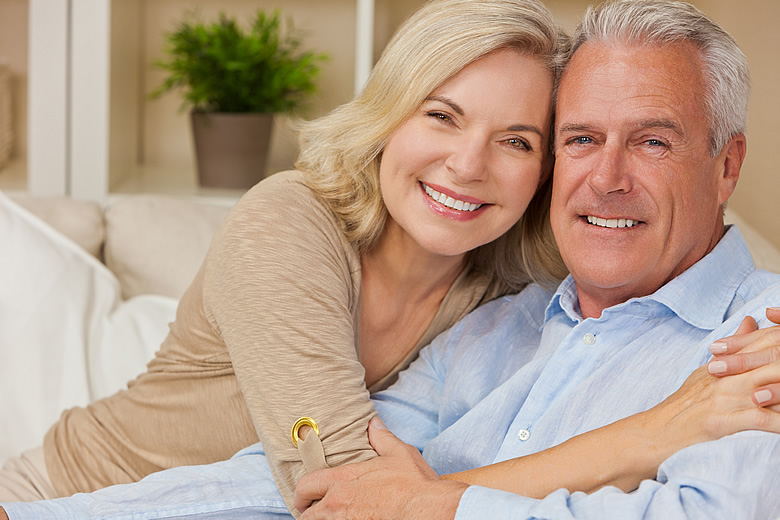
(731, 158)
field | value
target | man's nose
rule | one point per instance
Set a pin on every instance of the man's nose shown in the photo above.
(610, 173)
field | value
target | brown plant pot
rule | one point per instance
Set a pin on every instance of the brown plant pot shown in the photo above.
(231, 148)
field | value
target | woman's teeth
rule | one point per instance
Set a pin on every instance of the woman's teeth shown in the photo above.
(441, 198)
(612, 222)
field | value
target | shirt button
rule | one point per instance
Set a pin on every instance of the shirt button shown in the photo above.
(523, 435)
(589, 339)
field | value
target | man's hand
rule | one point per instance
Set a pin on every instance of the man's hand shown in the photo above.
(397, 484)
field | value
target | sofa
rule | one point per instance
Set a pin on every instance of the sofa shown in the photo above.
(154, 244)
(89, 291)
(86, 296)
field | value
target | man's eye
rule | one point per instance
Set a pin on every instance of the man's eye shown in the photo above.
(581, 140)
(655, 142)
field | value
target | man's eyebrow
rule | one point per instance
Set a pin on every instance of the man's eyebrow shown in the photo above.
(661, 123)
(574, 127)
(446, 101)
(644, 123)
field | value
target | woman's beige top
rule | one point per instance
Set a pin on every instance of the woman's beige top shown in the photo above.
(265, 334)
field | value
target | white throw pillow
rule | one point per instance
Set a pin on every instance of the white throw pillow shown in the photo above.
(66, 337)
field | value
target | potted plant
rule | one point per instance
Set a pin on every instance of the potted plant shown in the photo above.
(234, 80)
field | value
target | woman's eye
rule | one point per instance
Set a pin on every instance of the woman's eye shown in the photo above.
(440, 116)
(516, 142)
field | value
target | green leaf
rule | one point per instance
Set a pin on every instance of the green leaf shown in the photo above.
(221, 67)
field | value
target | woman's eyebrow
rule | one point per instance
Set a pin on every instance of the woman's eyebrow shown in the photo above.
(446, 101)
(513, 128)
(526, 128)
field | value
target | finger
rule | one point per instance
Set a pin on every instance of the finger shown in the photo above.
(742, 362)
(768, 395)
(748, 324)
(383, 441)
(750, 342)
(773, 313)
(758, 418)
(313, 486)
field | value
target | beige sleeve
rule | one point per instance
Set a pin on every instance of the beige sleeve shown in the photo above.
(281, 288)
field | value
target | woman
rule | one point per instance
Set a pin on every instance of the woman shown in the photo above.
(405, 214)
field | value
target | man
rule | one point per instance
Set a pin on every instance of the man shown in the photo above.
(641, 177)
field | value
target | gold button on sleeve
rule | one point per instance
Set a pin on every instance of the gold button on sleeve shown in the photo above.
(303, 421)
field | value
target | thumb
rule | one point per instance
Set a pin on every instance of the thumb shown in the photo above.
(382, 440)
(748, 324)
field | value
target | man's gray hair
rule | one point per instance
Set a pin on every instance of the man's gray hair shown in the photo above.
(726, 75)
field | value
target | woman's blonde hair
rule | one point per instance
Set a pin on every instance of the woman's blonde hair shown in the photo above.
(341, 152)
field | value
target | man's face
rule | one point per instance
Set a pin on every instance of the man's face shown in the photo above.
(636, 194)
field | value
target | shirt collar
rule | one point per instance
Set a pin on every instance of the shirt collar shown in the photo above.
(701, 295)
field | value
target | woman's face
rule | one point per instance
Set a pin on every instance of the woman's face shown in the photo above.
(461, 170)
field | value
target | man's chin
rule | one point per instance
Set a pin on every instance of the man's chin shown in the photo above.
(610, 282)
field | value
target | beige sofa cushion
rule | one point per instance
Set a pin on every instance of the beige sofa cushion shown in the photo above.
(765, 254)
(155, 244)
(79, 220)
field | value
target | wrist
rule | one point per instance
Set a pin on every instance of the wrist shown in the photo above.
(440, 503)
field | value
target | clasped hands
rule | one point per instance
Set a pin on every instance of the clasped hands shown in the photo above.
(397, 484)
(400, 484)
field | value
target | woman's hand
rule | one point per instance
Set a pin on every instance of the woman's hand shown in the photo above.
(624, 453)
(750, 349)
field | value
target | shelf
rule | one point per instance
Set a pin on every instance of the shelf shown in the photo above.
(169, 181)
(92, 130)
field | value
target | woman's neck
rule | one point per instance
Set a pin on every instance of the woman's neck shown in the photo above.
(414, 273)
(403, 287)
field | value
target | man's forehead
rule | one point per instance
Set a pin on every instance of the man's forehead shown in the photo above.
(653, 86)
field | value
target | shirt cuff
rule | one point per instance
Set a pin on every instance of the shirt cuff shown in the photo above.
(479, 502)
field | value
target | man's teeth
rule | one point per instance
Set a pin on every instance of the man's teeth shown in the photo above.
(449, 201)
(612, 222)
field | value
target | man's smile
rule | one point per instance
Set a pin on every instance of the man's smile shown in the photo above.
(612, 222)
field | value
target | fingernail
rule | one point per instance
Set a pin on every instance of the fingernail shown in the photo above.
(716, 367)
(718, 347)
(773, 309)
(762, 396)
(377, 423)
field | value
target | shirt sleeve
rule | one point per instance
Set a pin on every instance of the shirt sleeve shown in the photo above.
(410, 407)
(734, 477)
(280, 289)
(237, 488)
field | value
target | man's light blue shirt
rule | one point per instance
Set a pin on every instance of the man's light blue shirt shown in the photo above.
(519, 375)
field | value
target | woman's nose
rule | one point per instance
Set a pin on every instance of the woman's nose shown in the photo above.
(467, 160)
